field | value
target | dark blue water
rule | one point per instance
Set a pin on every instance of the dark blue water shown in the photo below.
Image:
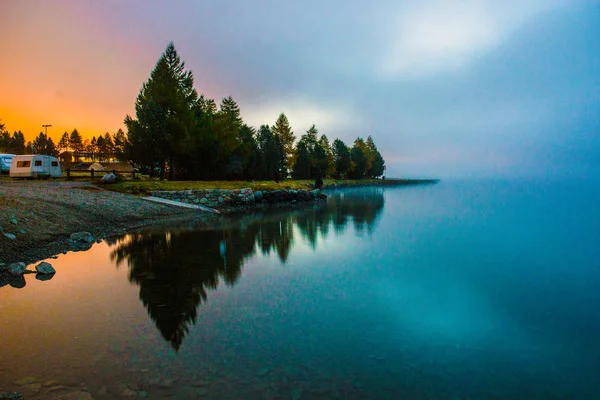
(459, 290)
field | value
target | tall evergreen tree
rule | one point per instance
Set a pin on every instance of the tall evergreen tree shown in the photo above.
(341, 156)
(359, 157)
(227, 124)
(4, 141)
(43, 144)
(286, 137)
(166, 101)
(376, 163)
(270, 147)
(76, 143)
(327, 163)
(120, 144)
(145, 134)
(17, 143)
(109, 147)
(302, 162)
(63, 143)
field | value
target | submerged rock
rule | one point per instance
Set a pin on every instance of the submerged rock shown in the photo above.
(45, 268)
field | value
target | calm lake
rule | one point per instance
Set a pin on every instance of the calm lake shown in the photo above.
(458, 290)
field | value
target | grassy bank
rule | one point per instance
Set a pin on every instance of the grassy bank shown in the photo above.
(145, 187)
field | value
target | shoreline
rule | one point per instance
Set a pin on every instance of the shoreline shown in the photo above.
(47, 213)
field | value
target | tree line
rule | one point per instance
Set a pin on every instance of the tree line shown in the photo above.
(177, 130)
(72, 146)
(178, 133)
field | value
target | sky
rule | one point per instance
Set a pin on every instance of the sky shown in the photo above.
(471, 88)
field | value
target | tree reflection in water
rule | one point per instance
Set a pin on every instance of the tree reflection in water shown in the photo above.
(175, 269)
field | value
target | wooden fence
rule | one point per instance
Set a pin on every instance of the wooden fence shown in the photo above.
(100, 174)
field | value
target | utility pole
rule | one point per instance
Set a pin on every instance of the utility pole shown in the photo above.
(46, 126)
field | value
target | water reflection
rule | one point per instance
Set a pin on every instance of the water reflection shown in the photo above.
(176, 269)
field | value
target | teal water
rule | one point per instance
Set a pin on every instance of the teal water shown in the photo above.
(459, 290)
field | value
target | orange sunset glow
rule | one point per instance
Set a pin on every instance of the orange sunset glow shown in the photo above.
(70, 68)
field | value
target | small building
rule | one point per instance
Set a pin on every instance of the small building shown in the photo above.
(35, 166)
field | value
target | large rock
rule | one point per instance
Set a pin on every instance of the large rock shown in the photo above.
(109, 178)
(82, 237)
(258, 196)
(17, 269)
(45, 268)
(81, 241)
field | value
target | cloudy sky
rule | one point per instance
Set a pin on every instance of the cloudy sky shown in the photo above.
(446, 88)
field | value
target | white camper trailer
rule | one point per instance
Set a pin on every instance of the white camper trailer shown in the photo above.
(35, 166)
(5, 160)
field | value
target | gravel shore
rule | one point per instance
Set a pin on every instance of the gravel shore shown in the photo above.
(47, 213)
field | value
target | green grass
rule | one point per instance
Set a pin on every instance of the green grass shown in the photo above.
(144, 187)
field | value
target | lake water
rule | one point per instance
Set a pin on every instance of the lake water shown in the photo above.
(459, 290)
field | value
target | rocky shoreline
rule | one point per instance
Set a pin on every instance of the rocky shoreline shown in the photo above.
(38, 218)
(240, 200)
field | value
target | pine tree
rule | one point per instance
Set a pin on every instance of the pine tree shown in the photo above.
(164, 111)
(43, 144)
(109, 147)
(327, 165)
(359, 157)
(63, 143)
(120, 143)
(341, 156)
(376, 163)
(286, 137)
(302, 164)
(227, 124)
(270, 147)
(17, 143)
(76, 143)
(4, 141)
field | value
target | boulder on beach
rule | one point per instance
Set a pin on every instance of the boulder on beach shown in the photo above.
(17, 269)
(109, 178)
(45, 268)
(82, 237)
(81, 241)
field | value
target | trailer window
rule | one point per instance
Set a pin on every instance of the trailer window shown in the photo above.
(38, 163)
(55, 163)
(23, 164)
